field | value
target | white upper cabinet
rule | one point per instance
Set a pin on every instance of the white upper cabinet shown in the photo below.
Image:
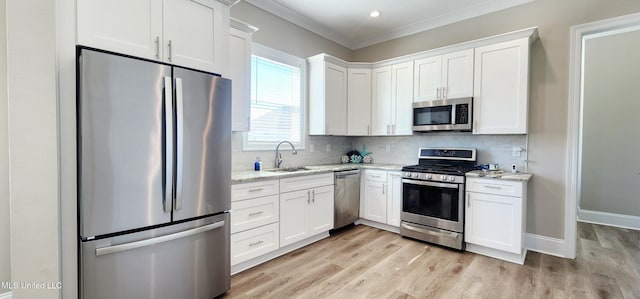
(358, 102)
(327, 97)
(501, 89)
(240, 74)
(392, 89)
(402, 98)
(381, 101)
(446, 76)
(190, 33)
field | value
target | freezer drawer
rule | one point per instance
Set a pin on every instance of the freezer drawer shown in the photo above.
(187, 260)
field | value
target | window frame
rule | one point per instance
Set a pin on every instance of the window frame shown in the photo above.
(292, 60)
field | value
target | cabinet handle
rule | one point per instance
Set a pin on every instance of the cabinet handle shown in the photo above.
(309, 196)
(444, 93)
(368, 130)
(255, 243)
(256, 190)
(384, 187)
(157, 47)
(493, 187)
(169, 58)
(313, 195)
(393, 129)
(255, 214)
(468, 201)
(438, 93)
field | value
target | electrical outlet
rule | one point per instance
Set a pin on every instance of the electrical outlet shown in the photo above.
(328, 147)
(516, 151)
(311, 148)
(388, 147)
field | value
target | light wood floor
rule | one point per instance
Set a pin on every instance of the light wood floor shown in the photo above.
(365, 262)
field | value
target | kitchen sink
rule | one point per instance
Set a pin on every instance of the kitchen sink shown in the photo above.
(287, 169)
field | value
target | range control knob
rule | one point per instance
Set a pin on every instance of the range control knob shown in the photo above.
(415, 175)
(443, 178)
(428, 176)
(407, 174)
(452, 178)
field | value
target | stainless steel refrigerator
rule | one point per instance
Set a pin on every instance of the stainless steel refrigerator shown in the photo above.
(154, 178)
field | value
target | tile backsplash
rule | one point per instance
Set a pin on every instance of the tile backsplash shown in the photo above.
(243, 160)
(402, 149)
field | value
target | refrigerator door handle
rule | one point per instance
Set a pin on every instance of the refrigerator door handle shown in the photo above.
(168, 113)
(179, 144)
(158, 240)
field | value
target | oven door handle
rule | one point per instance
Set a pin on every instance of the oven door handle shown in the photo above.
(431, 184)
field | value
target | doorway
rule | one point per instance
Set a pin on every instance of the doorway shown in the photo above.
(603, 139)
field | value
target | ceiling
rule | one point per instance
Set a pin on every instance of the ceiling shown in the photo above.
(347, 22)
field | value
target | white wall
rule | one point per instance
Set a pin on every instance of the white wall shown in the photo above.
(548, 86)
(5, 268)
(610, 137)
(33, 145)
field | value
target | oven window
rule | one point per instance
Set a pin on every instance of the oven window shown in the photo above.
(438, 115)
(431, 201)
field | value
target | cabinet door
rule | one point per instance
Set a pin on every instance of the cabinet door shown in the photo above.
(240, 75)
(137, 31)
(375, 196)
(494, 221)
(381, 101)
(394, 198)
(321, 210)
(196, 34)
(293, 216)
(500, 91)
(457, 74)
(402, 98)
(335, 96)
(359, 102)
(427, 78)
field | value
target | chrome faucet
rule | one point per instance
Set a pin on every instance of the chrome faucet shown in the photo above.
(279, 155)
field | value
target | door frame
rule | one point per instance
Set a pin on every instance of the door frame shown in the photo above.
(574, 119)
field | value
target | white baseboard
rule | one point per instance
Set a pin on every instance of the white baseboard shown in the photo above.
(498, 254)
(610, 219)
(546, 245)
(7, 295)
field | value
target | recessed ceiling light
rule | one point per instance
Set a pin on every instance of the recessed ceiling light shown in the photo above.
(374, 14)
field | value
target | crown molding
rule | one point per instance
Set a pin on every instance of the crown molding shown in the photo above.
(442, 20)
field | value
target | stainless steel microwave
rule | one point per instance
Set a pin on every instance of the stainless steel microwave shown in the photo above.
(443, 115)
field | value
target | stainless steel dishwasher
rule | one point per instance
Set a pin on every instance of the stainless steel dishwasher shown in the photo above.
(347, 197)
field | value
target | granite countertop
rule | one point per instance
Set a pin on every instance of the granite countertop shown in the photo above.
(500, 175)
(266, 174)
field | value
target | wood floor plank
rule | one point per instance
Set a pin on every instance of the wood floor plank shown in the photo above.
(365, 262)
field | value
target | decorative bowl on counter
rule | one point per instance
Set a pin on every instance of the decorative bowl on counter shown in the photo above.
(344, 159)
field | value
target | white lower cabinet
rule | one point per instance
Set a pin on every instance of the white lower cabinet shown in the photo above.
(381, 196)
(254, 242)
(254, 220)
(394, 197)
(307, 209)
(495, 218)
(375, 195)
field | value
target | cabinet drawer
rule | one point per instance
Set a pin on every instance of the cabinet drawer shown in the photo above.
(306, 182)
(375, 175)
(253, 243)
(253, 190)
(494, 186)
(251, 213)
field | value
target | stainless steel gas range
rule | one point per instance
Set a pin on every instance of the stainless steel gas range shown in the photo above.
(433, 196)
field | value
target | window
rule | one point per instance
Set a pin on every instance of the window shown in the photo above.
(277, 99)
